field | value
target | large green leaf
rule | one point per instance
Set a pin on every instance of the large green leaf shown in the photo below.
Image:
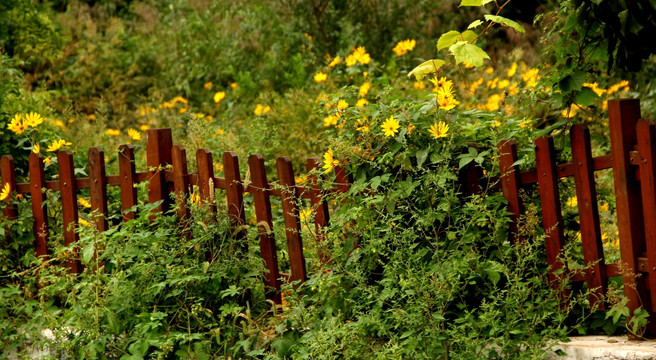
(448, 39)
(505, 22)
(586, 97)
(474, 2)
(427, 67)
(474, 24)
(470, 53)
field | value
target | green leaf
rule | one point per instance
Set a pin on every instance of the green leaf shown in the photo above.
(466, 52)
(505, 22)
(448, 39)
(421, 156)
(87, 253)
(469, 36)
(572, 82)
(426, 67)
(474, 2)
(585, 97)
(475, 24)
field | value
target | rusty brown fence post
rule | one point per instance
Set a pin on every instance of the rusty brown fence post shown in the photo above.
(159, 143)
(623, 117)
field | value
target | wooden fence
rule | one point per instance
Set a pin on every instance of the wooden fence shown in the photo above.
(633, 143)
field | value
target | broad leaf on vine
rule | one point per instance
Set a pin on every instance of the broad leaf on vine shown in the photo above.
(426, 67)
(470, 53)
(505, 22)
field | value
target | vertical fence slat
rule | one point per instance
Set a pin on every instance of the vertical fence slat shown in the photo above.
(181, 185)
(127, 172)
(343, 179)
(264, 218)
(290, 213)
(319, 204)
(647, 149)
(98, 187)
(510, 182)
(623, 117)
(69, 206)
(552, 217)
(159, 143)
(8, 174)
(39, 210)
(586, 194)
(234, 193)
(206, 177)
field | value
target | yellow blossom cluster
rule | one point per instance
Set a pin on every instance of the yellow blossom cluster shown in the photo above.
(444, 95)
(359, 55)
(320, 77)
(57, 144)
(21, 122)
(404, 47)
(261, 109)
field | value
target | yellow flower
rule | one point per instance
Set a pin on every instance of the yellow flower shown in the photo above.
(572, 202)
(304, 214)
(403, 47)
(615, 88)
(134, 134)
(595, 87)
(329, 161)
(493, 102)
(234, 85)
(419, 85)
(320, 77)
(36, 148)
(208, 85)
(362, 125)
(59, 123)
(502, 84)
(410, 128)
(335, 61)
(220, 131)
(569, 112)
(439, 130)
(351, 60)
(359, 55)
(390, 127)
(57, 144)
(467, 65)
(143, 127)
(361, 103)
(84, 202)
(261, 110)
(531, 77)
(91, 117)
(113, 132)
(218, 167)
(489, 70)
(446, 102)
(219, 96)
(6, 191)
(342, 104)
(179, 99)
(16, 125)
(83, 222)
(32, 120)
(47, 160)
(364, 89)
(330, 120)
(512, 70)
